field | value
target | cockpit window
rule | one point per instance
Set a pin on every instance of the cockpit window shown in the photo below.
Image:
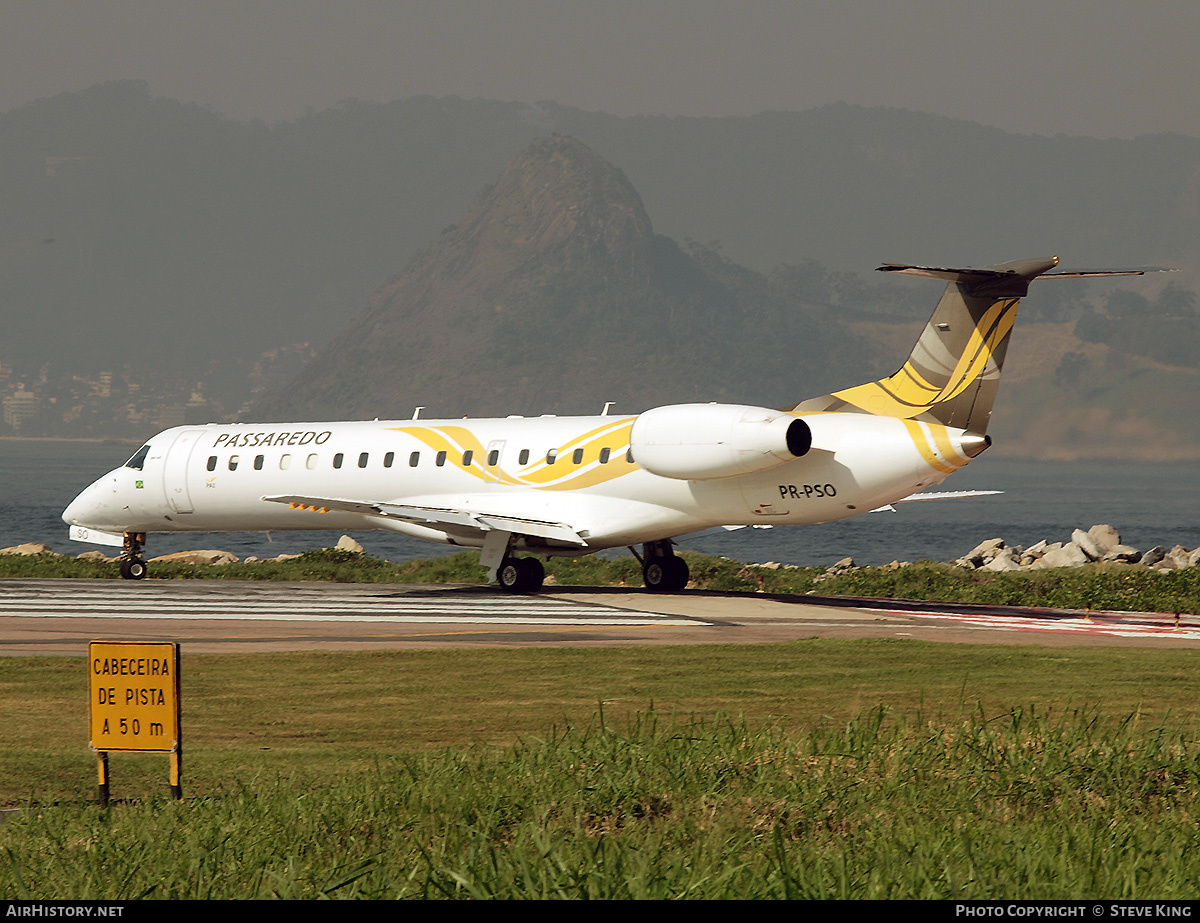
(139, 458)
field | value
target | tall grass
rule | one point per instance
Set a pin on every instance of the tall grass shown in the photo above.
(1034, 803)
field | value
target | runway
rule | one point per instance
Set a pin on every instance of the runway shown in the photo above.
(61, 616)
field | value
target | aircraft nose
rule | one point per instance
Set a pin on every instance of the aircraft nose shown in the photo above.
(90, 507)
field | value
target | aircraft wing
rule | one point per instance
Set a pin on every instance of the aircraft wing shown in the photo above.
(455, 519)
(937, 495)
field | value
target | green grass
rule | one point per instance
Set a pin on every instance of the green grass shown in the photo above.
(1026, 804)
(992, 771)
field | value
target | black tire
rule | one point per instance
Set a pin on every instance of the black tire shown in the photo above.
(521, 575)
(535, 573)
(133, 568)
(666, 575)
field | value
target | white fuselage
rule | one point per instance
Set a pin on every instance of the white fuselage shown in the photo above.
(577, 471)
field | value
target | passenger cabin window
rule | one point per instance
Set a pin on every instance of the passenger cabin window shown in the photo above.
(258, 462)
(467, 456)
(441, 459)
(337, 460)
(414, 459)
(285, 462)
(311, 462)
(552, 456)
(604, 455)
(493, 458)
(523, 458)
(577, 456)
(388, 459)
(629, 455)
(362, 459)
(212, 463)
(139, 458)
(233, 462)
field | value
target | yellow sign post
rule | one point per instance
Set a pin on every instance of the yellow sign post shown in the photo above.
(133, 703)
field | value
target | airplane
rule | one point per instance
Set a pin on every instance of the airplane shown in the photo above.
(556, 485)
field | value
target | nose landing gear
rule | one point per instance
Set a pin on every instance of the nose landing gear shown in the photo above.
(133, 565)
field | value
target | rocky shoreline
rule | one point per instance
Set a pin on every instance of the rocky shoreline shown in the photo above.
(202, 556)
(1101, 544)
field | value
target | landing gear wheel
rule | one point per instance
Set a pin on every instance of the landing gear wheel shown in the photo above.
(133, 568)
(521, 575)
(666, 575)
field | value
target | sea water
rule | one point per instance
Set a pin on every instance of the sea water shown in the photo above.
(1150, 504)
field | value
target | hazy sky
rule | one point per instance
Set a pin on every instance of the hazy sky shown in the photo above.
(1108, 68)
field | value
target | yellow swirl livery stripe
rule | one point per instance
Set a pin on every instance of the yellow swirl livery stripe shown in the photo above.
(563, 474)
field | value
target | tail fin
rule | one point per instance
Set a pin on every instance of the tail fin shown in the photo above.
(953, 373)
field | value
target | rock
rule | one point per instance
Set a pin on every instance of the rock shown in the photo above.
(1122, 554)
(285, 557)
(1153, 556)
(1003, 561)
(204, 556)
(346, 543)
(1068, 555)
(1175, 559)
(983, 552)
(1087, 545)
(28, 548)
(94, 555)
(1106, 537)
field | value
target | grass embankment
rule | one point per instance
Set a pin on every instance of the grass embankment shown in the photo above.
(491, 773)
(1120, 587)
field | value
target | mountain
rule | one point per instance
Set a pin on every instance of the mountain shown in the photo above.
(156, 253)
(142, 231)
(553, 294)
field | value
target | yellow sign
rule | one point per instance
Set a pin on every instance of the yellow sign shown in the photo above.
(133, 695)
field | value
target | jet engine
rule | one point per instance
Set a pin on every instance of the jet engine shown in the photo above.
(699, 441)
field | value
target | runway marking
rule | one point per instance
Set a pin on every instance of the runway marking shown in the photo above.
(1111, 624)
(313, 605)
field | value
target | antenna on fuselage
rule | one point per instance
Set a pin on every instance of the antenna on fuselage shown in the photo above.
(417, 412)
(607, 404)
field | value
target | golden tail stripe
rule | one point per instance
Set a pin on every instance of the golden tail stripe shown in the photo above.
(945, 447)
(907, 393)
(928, 440)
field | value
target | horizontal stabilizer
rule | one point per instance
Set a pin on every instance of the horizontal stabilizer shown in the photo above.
(1026, 269)
(948, 495)
(936, 495)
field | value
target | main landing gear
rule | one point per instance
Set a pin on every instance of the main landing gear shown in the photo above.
(521, 575)
(661, 569)
(133, 565)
